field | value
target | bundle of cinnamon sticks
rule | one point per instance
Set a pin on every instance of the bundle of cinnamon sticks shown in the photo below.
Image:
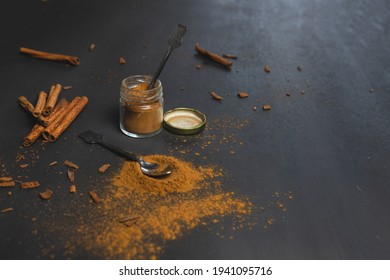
(53, 117)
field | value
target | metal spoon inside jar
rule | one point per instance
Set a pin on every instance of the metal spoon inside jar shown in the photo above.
(148, 168)
(174, 41)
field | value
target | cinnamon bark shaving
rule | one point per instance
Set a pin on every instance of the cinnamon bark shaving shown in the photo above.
(229, 55)
(267, 69)
(6, 210)
(216, 96)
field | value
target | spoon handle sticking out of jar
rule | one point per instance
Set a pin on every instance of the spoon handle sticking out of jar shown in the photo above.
(174, 41)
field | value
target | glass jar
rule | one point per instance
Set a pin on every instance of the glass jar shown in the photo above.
(141, 109)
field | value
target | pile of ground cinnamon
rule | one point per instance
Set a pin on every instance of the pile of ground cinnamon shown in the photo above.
(139, 215)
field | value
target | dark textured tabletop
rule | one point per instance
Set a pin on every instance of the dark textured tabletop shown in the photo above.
(322, 151)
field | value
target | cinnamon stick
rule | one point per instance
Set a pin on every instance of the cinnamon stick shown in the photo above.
(213, 56)
(58, 109)
(52, 99)
(40, 104)
(33, 135)
(26, 104)
(51, 127)
(70, 114)
(51, 56)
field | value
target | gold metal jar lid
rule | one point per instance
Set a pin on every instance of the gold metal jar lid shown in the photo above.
(184, 121)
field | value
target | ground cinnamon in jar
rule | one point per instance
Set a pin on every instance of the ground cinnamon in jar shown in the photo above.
(141, 108)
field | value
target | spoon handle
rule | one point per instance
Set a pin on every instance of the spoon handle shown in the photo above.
(119, 151)
(174, 41)
(160, 67)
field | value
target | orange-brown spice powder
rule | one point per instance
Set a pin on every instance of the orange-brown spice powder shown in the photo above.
(168, 208)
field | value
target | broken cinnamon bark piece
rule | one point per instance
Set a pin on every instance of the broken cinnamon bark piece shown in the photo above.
(51, 56)
(71, 176)
(266, 107)
(229, 55)
(7, 210)
(72, 189)
(95, 197)
(104, 168)
(30, 185)
(242, 94)
(129, 221)
(47, 194)
(53, 163)
(71, 164)
(7, 182)
(267, 69)
(122, 60)
(216, 96)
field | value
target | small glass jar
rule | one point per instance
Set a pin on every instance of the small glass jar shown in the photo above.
(140, 108)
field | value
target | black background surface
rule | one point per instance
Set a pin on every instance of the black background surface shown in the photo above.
(329, 147)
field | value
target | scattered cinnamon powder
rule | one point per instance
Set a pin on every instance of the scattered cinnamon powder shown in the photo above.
(138, 215)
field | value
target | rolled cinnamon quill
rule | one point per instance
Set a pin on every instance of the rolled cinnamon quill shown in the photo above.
(51, 127)
(40, 104)
(26, 104)
(58, 109)
(213, 56)
(52, 99)
(53, 131)
(51, 56)
(33, 135)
